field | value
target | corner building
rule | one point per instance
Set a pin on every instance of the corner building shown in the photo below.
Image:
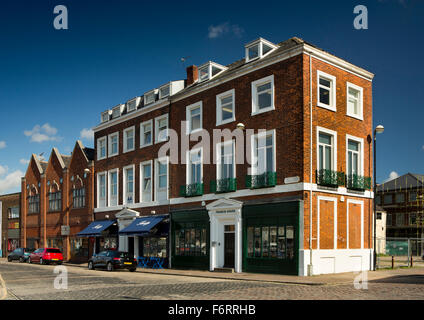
(297, 200)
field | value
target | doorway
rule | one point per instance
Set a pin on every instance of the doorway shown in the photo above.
(131, 246)
(229, 246)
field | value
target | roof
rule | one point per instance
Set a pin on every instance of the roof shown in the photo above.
(89, 152)
(407, 181)
(66, 160)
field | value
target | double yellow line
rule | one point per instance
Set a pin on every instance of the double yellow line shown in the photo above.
(3, 289)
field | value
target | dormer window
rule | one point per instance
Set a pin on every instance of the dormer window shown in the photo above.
(164, 91)
(105, 116)
(258, 49)
(132, 104)
(150, 97)
(210, 70)
(116, 112)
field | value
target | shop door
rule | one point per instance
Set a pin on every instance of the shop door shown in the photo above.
(131, 246)
(229, 240)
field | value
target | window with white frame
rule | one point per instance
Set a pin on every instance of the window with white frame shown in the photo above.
(225, 107)
(326, 91)
(101, 191)
(101, 148)
(161, 179)
(263, 153)
(258, 49)
(132, 105)
(105, 116)
(116, 112)
(194, 117)
(129, 185)
(113, 144)
(113, 188)
(146, 133)
(354, 101)
(164, 91)
(326, 150)
(209, 70)
(146, 181)
(194, 166)
(354, 156)
(263, 95)
(129, 139)
(149, 97)
(161, 127)
(225, 167)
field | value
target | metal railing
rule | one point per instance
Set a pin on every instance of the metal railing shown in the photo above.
(330, 178)
(357, 182)
(191, 190)
(267, 179)
(223, 185)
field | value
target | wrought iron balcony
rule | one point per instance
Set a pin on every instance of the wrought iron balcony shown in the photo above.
(267, 179)
(191, 190)
(330, 178)
(357, 182)
(223, 185)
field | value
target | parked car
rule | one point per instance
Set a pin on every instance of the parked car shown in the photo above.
(21, 254)
(112, 259)
(46, 255)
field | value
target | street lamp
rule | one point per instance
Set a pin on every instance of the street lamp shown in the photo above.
(378, 129)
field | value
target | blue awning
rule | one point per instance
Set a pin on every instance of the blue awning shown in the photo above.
(95, 228)
(142, 225)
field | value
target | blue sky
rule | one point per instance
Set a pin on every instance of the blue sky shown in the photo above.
(55, 83)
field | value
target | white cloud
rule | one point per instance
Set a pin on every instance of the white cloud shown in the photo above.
(87, 134)
(224, 28)
(9, 181)
(2, 144)
(392, 175)
(24, 161)
(42, 133)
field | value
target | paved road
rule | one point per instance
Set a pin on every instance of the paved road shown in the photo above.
(35, 282)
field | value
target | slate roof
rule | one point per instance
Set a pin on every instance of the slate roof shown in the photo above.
(407, 181)
(89, 152)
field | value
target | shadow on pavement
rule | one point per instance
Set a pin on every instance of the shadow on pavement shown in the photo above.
(407, 279)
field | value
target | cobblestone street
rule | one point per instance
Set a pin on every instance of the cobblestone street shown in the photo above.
(35, 282)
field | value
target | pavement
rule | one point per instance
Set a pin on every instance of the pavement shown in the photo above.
(326, 279)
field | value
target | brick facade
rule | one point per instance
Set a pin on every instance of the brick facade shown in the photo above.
(8, 225)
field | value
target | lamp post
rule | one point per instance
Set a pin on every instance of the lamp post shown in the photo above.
(378, 129)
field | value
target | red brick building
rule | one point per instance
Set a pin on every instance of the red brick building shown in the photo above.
(57, 201)
(10, 223)
(296, 161)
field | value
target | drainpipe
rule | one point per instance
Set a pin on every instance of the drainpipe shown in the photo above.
(310, 266)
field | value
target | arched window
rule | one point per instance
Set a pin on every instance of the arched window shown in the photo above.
(55, 197)
(33, 200)
(78, 194)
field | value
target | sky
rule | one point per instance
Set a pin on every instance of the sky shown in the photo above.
(55, 83)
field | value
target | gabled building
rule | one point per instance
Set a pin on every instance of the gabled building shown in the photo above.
(286, 190)
(57, 201)
(9, 223)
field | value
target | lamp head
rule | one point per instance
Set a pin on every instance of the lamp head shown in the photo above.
(379, 129)
(240, 126)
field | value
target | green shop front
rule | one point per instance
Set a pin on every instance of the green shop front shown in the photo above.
(247, 237)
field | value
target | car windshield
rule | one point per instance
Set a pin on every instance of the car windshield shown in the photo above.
(53, 251)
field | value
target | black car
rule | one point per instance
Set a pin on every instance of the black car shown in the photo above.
(112, 259)
(21, 254)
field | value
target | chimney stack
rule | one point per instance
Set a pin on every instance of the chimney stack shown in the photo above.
(192, 74)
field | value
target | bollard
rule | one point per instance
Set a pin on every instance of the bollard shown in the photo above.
(412, 262)
(393, 262)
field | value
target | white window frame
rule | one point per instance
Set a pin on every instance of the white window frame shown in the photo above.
(334, 144)
(136, 100)
(333, 89)
(219, 98)
(142, 164)
(254, 165)
(188, 116)
(209, 65)
(105, 113)
(218, 158)
(117, 108)
(99, 140)
(163, 87)
(188, 165)
(125, 139)
(104, 173)
(259, 42)
(125, 196)
(110, 154)
(255, 85)
(109, 198)
(164, 159)
(361, 154)
(359, 116)
(151, 92)
(142, 125)
(157, 119)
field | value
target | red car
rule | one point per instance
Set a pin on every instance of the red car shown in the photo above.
(46, 255)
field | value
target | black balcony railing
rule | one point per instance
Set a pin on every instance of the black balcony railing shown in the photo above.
(267, 179)
(191, 190)
(330, 178)
(224, 185)
(357, 182)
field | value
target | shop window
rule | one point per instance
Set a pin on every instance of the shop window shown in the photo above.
(275, 242)
(13, 213)
(79, 247)
(154, 247)
(190, 242)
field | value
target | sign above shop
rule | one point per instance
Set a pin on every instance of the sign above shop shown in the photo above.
(65, 230)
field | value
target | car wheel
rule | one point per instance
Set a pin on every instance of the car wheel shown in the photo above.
(132, 270)
(9, 259)
(109, 266)
(90, 265)
(41, 261)
(21, 259)
(29, 260)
